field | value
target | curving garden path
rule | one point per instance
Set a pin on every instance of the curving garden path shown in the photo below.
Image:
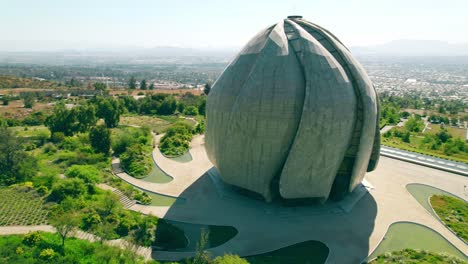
(262, 227)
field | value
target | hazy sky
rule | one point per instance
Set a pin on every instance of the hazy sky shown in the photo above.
(77, 24)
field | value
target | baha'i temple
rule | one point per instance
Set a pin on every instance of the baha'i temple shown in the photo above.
(293, 116)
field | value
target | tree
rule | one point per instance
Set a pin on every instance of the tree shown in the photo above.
(99, 86)
(191, 111)
(443, 135)
(207, 89)
(28, 101)
(132, 83)
(65, 223)
(62, 120)
(143, 85)
(151, 87)
(406, 137)
(202, 107)
(85, 117)
(414, 124)
(110, 110)
(201, 256)
(15, 164)
(230, 259)
(100, 139)
(168, 106)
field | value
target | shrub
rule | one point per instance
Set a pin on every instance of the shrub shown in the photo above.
(135, 162)
(230, 259)
(32, 238)
(42, 190)
(74, 188)
(87, 173)
(177, 139)
(47, 254)
(57, 137)
(191, 111)
(50, 148)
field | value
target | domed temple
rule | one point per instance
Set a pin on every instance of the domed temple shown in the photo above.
(294, 115)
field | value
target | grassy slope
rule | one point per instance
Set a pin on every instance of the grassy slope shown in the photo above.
(414, 146)
(17, 82)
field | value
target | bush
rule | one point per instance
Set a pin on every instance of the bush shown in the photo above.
(47, 254)
(135, 162)
(191, 111)
(42, 190)
(89, 174)
(57, 137)
(50, 148)
(177, 139)
(32, 238)
(230, 259)
(74, 188)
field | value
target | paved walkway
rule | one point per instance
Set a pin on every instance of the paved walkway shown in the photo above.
(186, 173)
(263, 227)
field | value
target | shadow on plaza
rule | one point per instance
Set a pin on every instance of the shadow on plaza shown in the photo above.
(208, 200)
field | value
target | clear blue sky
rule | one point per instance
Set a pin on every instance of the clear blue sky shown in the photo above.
(76, 24)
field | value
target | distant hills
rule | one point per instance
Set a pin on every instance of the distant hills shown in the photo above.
(408, 47)
(179, 55)
(17, 82)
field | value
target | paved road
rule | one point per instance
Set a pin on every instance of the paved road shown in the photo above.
(425, 160)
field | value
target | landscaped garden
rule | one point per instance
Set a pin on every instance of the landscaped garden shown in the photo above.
(422, 193)
(411, 256)
(405, 235)
(187, 236)
(440, 141)
(38, 247)
(156, 175)
(453, 212)
(22, 205)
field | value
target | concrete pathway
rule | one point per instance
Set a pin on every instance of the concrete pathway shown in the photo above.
(262, 227)
(186, 173)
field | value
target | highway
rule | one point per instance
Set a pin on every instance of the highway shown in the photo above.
(425, 160)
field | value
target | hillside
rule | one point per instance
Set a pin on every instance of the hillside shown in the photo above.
(13, 82)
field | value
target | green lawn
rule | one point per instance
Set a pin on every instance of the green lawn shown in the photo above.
(21, 207)
(422, 193)
(156, 175)
(157, 125)
(403, 235)
(186, 157)
(456, 132)
(217, 235)
(31, 131)
(415, 257)
(453, 212)
(308, 252)
(162, 200)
